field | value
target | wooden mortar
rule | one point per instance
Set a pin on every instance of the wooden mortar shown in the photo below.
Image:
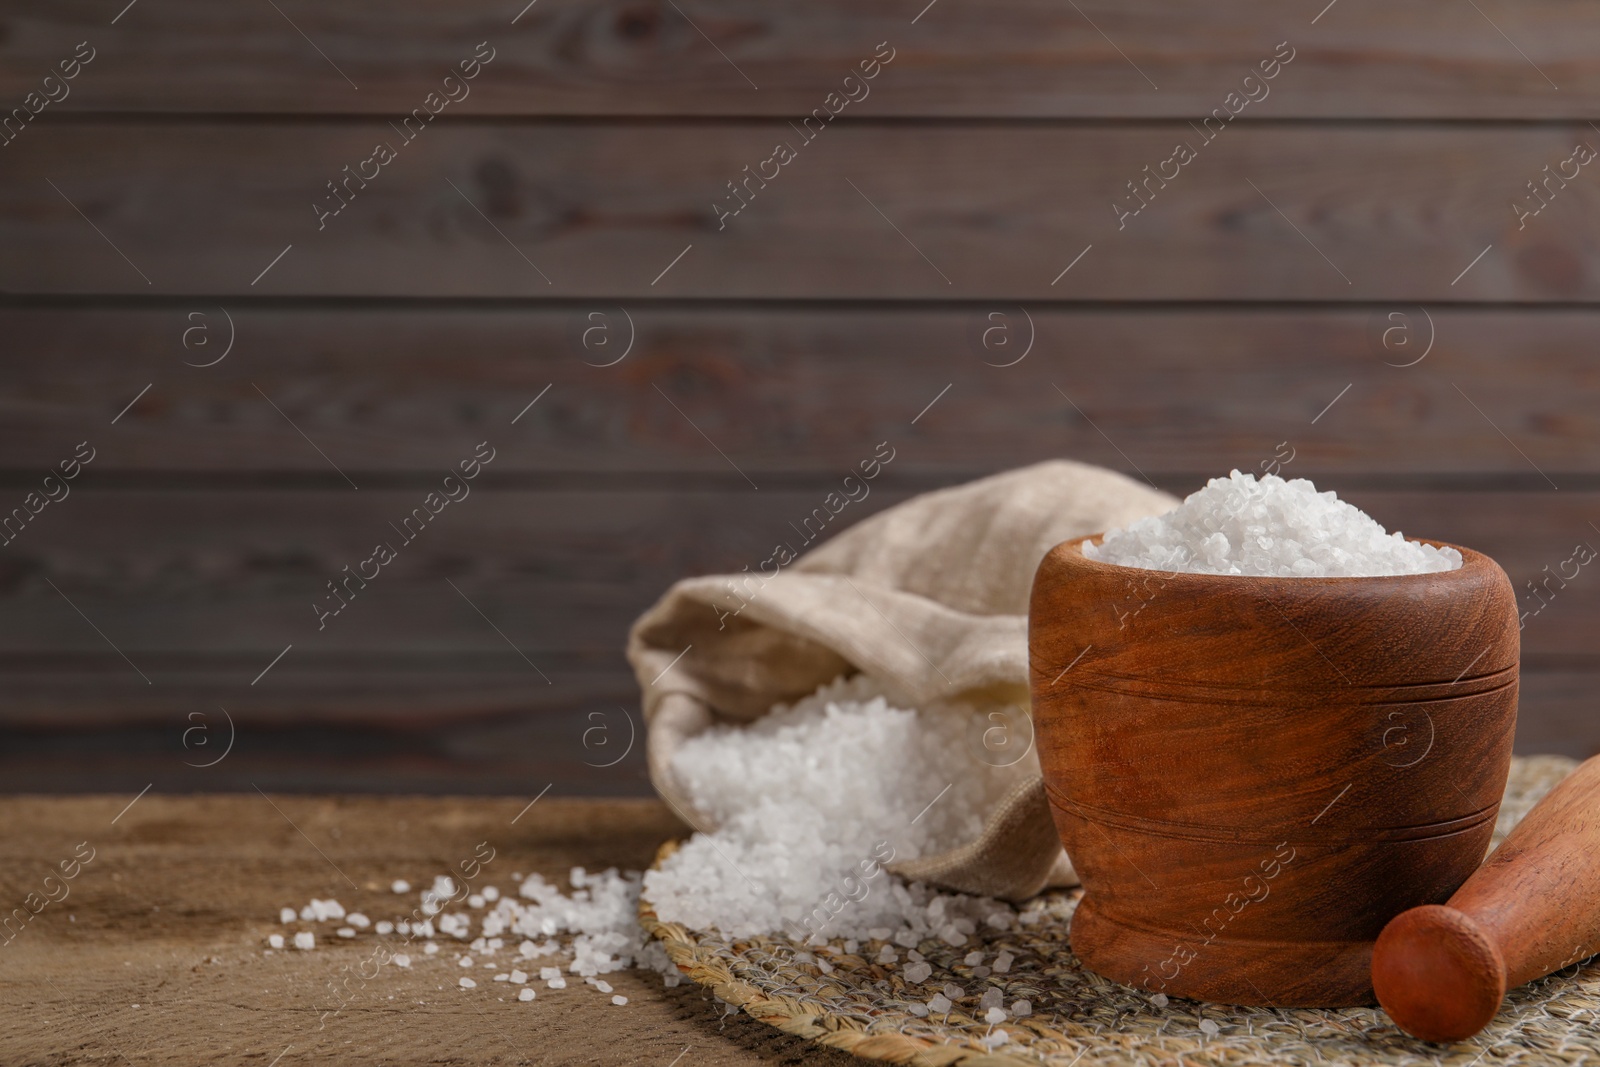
(1253, 775)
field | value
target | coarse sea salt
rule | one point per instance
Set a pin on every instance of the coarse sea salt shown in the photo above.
(595, 928)
(1271, 527)
(849, 778)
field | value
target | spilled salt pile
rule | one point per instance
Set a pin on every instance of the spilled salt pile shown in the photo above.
(1286, 529)
(812, 801)
(592, 930)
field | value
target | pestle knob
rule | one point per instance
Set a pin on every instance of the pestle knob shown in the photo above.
(1441, 971)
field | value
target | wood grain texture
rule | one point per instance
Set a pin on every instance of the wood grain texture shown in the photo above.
(806, 390)
(173, 913)
(1015, 58)
(469, 725)
(1441, 971)
(221, 572)
(1317, 814)
(238, 573)
(821, 320)
(202, 589)
(558, 210)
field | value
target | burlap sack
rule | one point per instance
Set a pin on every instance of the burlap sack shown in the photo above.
(930, 597)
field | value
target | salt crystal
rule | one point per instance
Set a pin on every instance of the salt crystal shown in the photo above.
(526, 994)
(557, 983)
(430, 948)
(323, 910)
(1209, 1027)
(502, 978)
(358, 920)
(345, 931)
(400, 885)
(490, 893)
(992, 998)
(402, 960)
(467, 983)
(917, 972)
(994, 1015)
(1159, 1000)
(275, 940)
(308, 914)
(519, 977)
(972, 959)
(850, 775)
(953, 991)
(305, 940)
(887, 954)
(1021, 1008)
(939, 1003)
(1003, 962)
(384, 926)
(619, 1000)
(602, 985)
(475, 900)
(1286, 529)
(465, 961)
(286, 915)
(547, 973)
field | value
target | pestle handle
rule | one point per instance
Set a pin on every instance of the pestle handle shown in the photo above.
(1441, 971)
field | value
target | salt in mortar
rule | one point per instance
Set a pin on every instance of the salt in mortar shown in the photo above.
(1276, 528)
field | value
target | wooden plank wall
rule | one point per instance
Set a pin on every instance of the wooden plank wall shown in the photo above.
(1387, 259)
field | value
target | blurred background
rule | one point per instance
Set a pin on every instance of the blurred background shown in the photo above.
(1375, 266)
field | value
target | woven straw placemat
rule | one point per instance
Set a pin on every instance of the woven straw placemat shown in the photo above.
(846, 1001)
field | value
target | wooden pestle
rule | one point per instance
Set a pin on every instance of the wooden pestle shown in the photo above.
(1441, 971)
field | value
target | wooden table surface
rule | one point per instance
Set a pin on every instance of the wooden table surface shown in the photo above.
(157, 954)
